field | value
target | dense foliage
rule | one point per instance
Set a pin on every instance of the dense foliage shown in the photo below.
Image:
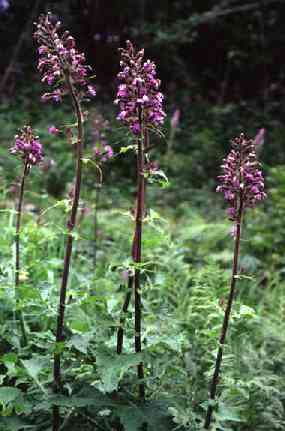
(186, 240)
(186, 278)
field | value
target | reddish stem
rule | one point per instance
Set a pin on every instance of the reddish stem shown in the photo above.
(17, 248)
(219, 358)
(57, 384)
(134, 280)
(137, 256)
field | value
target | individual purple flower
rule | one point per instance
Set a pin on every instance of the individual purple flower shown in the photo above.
(56, 96)
(60, 63)
(108, 153)
(103, 152)
(233, 231)
(28, 147)
(4, 5)
(91, 90)
(242, 181)
(138, 93)
(53, 130)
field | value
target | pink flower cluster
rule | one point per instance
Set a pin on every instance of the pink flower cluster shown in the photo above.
(242, 179)
(104, 152)
(28, 147)
(138, 95)
(59, 60)
(53, 130)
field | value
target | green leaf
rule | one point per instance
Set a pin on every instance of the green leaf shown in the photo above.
(80, 342)
(126, 149)
(14, 424)
(227, 413)
(247, 312)
(10, 360)
(78, 320)
(155, 414)
(34, 367)
(112, 367)
(131, 418)
(9, 394)
(87, 397)
(160, 177)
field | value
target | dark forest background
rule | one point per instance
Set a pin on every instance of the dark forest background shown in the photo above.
(221, 64)
(222, 51)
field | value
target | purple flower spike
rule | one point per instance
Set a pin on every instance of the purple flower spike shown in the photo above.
(28, 147)
(53, 130)
(242, 180)
(138, 97)
(60, 61)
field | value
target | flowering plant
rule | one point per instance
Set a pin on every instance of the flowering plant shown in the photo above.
(140, 103)
(242, 180)
(60, 62)
(28, 147)
(243, 187)
(63, 67)
(138, 95)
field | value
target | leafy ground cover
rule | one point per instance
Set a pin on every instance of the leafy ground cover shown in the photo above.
(187, 252)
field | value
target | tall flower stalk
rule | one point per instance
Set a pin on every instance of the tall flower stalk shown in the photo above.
(63, 68)
(140, 103)
(243, 187)
(29, 149)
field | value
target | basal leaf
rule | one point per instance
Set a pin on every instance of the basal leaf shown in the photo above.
(228, 413)
(14, 424)
(112, 367)
(9, 394)
(81, 341)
